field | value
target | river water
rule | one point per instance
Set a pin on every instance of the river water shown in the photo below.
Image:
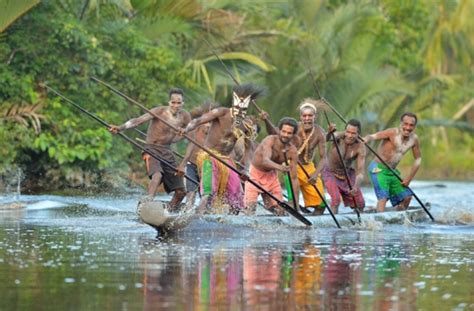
(68, 253)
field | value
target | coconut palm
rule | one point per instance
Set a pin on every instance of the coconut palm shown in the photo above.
(11, 10)
(338, 46)
(448, 55)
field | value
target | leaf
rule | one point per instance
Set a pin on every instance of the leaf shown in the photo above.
(243, 56)
(11, 10)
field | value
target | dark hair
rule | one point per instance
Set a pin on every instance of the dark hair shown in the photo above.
(288, 121)
(409, 114)
(175, 90)
(244, 90)
(356, 123)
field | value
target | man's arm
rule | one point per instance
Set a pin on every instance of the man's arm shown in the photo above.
(207, 117)
(416, 165)
(262, 156)
(380, 135)
(190, 148)
(331, 129)
(186, 120)
(271, 129)
(134, 122)
(293, 159)
(337, 134)
(322, 156)
(360, 164)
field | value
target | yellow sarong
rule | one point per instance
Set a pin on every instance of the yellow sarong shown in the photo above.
(310, 195)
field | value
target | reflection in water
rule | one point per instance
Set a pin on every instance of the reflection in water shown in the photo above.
(97, 256)
(339, 271)
(344, 275)
(339, 278)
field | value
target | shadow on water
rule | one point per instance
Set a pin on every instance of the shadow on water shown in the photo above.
(92, 253)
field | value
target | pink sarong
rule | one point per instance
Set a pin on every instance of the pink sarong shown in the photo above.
(268, 181)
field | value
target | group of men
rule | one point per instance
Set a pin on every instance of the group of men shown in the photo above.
(233, 169)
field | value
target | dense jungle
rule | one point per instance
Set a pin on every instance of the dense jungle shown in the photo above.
(371, 59)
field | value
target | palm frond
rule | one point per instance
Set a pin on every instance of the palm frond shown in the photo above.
(11, 10)
(26, 115)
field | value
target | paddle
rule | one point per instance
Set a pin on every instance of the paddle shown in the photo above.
(346, 173)
(229, 73)
(367, 145)
(290, 183)
(320, 195)
(260, 111)
(150, 152)
(285, 206)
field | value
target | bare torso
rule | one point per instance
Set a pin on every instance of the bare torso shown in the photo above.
(307, 142)
(392, 149)
(160, 133)
(200, 135)
(221, 136)
(271, 148)
(349, 152)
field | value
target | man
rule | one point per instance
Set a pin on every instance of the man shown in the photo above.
(228, 127)
(309, 138)
(352, 150)
(267, 160)
(243, 153)
(158, 142)
(395, 143)
(199, 134)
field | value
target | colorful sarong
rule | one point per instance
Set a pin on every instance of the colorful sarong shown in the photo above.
(268, 181)
(310, 195)
(337, 187)
(218, 181)
(386, 184)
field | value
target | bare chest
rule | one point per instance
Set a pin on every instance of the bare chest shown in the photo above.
(401, 145)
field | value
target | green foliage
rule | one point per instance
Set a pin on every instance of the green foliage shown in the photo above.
(372, 60)
(10, 10)
(64, 52)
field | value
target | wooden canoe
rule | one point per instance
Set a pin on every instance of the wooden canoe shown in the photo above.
(156, 215)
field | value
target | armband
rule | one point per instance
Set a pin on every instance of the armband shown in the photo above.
(127, 125)
(418, 161)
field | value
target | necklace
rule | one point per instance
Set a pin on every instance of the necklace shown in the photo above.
(305, 144)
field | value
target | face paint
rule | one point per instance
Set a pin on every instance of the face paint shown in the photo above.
(239, 107)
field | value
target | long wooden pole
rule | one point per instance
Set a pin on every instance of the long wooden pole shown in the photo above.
(320, 195)
(292, 191)
(288, 208)
(346, 173)
(93, 116)
(367, 145)
(260, 110)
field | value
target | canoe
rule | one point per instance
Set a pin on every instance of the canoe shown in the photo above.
(12, 205)
(156, 215)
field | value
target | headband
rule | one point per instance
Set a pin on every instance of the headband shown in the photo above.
(308, 105)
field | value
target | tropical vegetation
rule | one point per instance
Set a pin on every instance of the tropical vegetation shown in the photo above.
(372, 60)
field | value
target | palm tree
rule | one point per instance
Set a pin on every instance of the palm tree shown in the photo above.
(338, 45)
(448, 55)
(11, 10)
(206, 33)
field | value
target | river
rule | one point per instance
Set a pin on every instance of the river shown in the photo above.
(67, 253)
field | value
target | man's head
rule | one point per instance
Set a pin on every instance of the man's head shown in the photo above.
(408, 122)
(308, 112)
(176, 100)
(353, 128)
(288, 128)
(242, 95)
